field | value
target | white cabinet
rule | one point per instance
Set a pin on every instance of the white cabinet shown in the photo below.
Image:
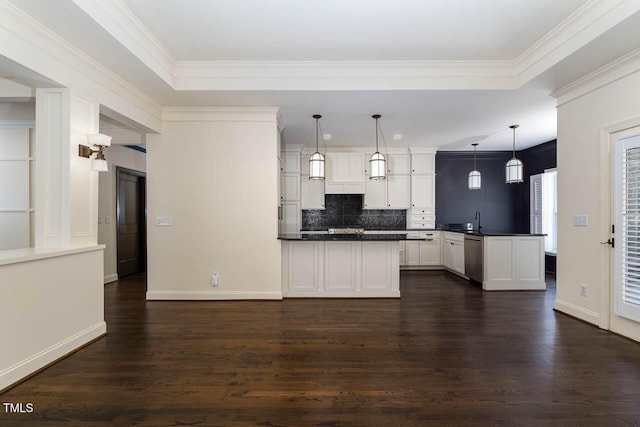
(430, 252)
(312, 193)
(344, 167)
(290, 217)
(375, 194)
(399, 164)
(423, 191)
(423, 164)
(423, 253)
(398, 191)
(289, 187)
(290, 162)
(454, 252)
(513, 263)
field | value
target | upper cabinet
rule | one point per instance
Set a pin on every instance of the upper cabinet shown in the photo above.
(398, 164)
(344, 167)
(290, 162)
(423, 164)
(312, 193)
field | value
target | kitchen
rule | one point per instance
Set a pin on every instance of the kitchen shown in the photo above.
(405, 203)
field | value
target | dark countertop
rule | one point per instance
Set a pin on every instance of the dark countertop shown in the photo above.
(346, 237)
(488, 233)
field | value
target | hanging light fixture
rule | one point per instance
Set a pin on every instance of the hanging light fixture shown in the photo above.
(377, 162)
(474, 176)
(514, 166)
(316, 161)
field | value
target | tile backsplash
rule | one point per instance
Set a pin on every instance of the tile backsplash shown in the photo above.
(345, 210)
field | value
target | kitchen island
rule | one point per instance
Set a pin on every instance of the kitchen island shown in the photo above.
(341, 266)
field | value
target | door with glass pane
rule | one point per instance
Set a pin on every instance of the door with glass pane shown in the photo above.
(626, 229)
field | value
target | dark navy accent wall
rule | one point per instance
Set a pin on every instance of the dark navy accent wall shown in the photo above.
(345, 210)
(495, 200)
(535, 160)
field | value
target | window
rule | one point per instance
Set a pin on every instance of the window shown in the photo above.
(544, 208)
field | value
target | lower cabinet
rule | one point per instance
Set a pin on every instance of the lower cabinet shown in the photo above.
(454, 252)
(426, 252)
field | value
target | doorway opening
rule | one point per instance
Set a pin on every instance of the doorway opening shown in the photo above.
(131, 212)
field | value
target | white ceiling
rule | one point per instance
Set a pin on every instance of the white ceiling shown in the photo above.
(441, 73)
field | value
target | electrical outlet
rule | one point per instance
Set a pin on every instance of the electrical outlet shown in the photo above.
(215, 278)
(583, 290)
(580, 220)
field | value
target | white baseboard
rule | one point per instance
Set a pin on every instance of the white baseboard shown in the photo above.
(26, 367)
(212, 295)
(341, 294)
(110, 278)
(578, 312)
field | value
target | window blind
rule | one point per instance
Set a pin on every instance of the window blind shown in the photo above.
(535, 193)
(629, 295)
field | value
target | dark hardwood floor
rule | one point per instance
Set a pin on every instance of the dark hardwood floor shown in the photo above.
(446, 354)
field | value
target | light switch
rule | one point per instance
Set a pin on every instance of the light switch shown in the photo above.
(580, 220)
(164, 221)
(107, 220)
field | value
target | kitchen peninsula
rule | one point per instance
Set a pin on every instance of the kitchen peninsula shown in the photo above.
(341, 265)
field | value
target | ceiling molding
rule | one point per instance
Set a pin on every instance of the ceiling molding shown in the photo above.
(118, 20)
(62, 62)
(342, 75)
(220, 114)
(590, 21)
(583, 26)
(616, 70)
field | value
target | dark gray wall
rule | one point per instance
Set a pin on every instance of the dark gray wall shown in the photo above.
(495, 200)
(503, 207)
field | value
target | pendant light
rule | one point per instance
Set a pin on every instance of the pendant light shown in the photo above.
(514, 166)
(377, 162)
(316, 161)
(474, 175)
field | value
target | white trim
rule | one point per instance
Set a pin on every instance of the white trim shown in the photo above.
(341, 294)
(39, 360)
(603, 76)
(576, 311)
(220, 114)
(213, 295)
(109, 278)
(10, 124)
(15, 256)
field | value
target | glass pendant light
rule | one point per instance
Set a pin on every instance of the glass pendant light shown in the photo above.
(514, 166)
(316, 161)
(377, 162)
(474, 176)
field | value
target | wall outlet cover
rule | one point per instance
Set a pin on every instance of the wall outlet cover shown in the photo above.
(164, 221)
(580, 220)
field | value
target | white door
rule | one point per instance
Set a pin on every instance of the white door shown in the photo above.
(625, 292)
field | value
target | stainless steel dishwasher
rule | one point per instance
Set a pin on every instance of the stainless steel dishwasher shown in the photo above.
(473, 254)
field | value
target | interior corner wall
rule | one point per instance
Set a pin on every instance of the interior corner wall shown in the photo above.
(217, 180)
(581, 257)
(121, 156)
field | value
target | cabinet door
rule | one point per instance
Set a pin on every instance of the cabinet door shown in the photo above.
(290, 217)
(344, 167)
(375, 194)
(398, 191)
(448, 254)
(423, 191)
(398, 164)
(430, 252)
(312, 193)
(423, 163)
(290, 161)
(412, 252)
(290, 187)
(458, 257)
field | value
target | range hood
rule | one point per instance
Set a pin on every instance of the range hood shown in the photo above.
(344, 188)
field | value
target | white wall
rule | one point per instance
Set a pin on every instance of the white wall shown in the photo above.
(585, 112)
(215, 172)
(116, 155)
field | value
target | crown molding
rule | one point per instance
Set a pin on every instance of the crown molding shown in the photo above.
(220, 114)
(616, 70)
(587, 23)
(128, 30)
(342, 75)
(60, 61)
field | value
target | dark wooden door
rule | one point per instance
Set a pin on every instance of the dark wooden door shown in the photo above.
(131, 212)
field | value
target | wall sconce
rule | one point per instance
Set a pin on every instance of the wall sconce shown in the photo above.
(99, 141)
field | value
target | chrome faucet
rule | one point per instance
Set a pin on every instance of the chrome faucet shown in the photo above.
(478, 218)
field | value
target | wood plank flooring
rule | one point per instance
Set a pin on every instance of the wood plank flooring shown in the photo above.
(446, 354)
